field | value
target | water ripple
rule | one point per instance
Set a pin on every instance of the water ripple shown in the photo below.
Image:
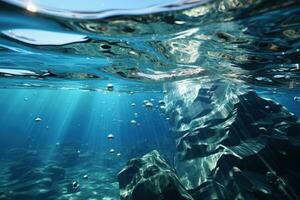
(253, 42)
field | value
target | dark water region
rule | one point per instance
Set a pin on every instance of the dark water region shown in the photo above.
(177, 100)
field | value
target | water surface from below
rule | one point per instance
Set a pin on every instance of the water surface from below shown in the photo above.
(205, 97)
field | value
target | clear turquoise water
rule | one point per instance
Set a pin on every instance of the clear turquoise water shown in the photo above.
(57, 67)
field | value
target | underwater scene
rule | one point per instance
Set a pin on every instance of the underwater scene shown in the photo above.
(149, 99)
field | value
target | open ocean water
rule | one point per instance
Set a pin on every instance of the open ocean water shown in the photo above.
(149, 100)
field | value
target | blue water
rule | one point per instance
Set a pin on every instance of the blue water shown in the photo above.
(62, 114)
(82, 121)
(189, 79)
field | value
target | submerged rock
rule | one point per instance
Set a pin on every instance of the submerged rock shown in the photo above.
(233, 140)
(231, 146)
(150, 178)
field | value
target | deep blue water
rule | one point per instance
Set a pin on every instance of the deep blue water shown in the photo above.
(81, 117)
(213, 86)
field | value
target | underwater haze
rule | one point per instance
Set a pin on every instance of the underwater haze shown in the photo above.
(149, 100)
